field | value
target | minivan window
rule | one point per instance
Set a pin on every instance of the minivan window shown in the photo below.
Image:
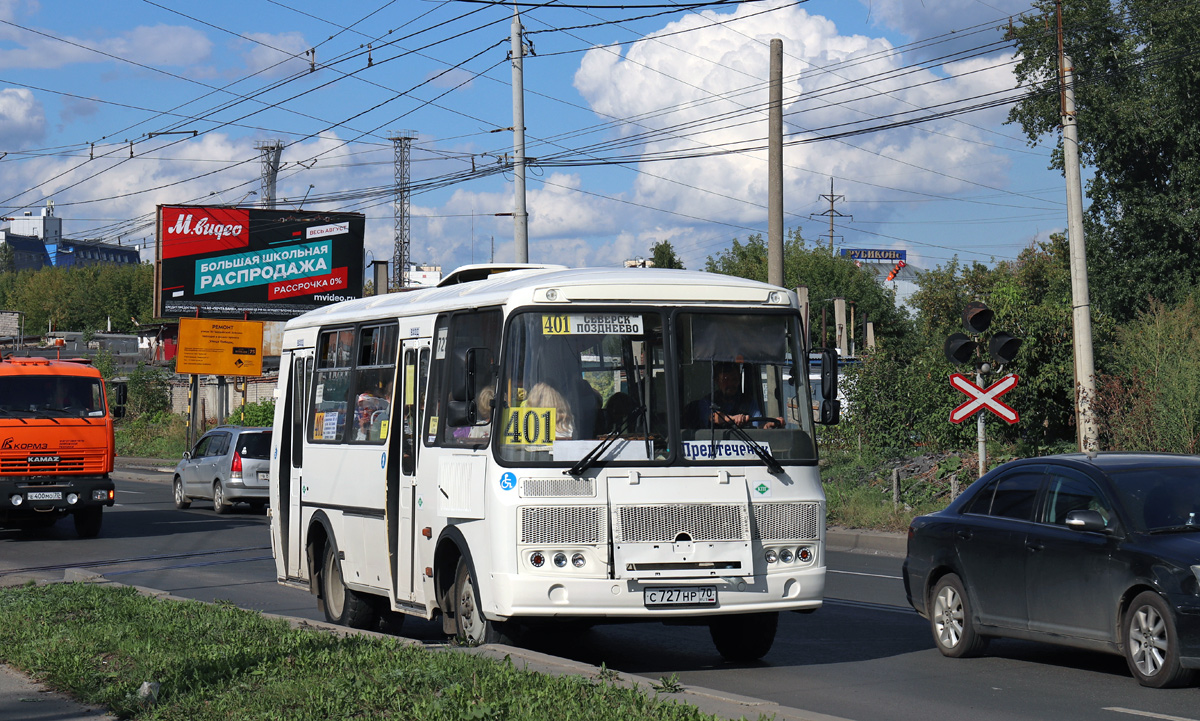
(255, 445)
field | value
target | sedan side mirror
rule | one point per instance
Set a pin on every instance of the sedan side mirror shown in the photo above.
(1086, 521)
(187, 455)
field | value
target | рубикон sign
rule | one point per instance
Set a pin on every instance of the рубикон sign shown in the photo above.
(261, 264)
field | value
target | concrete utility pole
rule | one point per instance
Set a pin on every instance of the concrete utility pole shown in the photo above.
(775, 168)
(402, 240)
(520, 217)
(1085, 369)
(268, 154)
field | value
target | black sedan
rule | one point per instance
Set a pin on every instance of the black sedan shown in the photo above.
(1098, 552)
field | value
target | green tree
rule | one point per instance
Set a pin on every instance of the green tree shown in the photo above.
(1137, 97)
(827, 277)
(149, 391)
(663, 256)
(8, 262)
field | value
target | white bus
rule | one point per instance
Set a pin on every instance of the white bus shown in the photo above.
(522, 445)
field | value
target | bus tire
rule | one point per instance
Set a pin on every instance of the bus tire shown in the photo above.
(745, 637)
(471, 627)
(87, 521)
(181, 499)
(343, 606)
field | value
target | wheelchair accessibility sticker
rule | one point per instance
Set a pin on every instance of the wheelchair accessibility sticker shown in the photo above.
(508, 481)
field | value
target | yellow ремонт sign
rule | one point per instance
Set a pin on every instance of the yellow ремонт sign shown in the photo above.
(210, 346)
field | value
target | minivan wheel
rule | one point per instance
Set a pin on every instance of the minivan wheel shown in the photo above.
(220, 506)
(950, 619)
(1151, 643)
(181, 500)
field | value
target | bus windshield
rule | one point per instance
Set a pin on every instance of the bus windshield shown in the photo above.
(50, 396)
(571, 379)
(595, 386)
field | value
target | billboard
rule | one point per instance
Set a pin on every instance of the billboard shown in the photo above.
(876, 255)
(227, 262)
(220, 347)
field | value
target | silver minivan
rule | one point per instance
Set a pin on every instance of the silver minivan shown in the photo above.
(227, 465)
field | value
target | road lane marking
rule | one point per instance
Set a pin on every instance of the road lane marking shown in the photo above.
(872, 575)
(1147, 714)
(905, 610)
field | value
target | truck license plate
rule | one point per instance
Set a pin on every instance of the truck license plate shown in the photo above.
(681, 596)
(44, 495)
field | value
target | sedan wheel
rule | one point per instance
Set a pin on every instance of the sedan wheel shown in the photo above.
(950, 618)
(1151, 644)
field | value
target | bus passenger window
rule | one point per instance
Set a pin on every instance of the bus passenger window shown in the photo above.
(331, 394)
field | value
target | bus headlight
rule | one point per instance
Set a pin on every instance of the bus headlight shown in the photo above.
(771, 556)
(537, 559)
(578, 560)
(805, 554)
(560, 559)
(786, 555)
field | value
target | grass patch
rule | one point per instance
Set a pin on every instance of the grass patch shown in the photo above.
(858, 489)
(152, 435)
(100, 643)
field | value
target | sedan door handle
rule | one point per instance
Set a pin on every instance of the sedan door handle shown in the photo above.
(963, 534)
(1034, 546)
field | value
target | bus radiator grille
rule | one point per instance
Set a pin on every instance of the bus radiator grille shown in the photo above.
(664, 524)
(787, 521)
(581, 525)
(558, 488)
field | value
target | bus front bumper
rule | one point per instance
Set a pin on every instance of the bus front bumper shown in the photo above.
(26, 495)
(523, 595)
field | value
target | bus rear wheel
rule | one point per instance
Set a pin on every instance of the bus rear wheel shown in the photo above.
(343, 606)
(87, 521)
(472, 628)
(746, 637)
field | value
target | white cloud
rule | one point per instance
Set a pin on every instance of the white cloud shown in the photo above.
(158, 45)
(276, 55)
(22, 119)
(677, 85)
(933, 19)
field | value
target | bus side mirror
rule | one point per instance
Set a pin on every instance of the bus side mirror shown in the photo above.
(475, 363)
(830, 410)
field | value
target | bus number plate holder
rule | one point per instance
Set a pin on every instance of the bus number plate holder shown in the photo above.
(680, 596)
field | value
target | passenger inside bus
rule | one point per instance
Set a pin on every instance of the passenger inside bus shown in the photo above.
(558, 368)
(543, 395)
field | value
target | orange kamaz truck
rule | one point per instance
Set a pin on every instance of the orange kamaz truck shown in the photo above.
(56, 444)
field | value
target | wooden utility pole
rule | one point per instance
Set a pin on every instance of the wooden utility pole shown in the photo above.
(775, 168)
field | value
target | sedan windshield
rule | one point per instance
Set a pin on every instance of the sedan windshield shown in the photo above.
(51, 396)
(1161, 498)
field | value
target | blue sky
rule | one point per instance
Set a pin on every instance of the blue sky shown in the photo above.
(625, 110)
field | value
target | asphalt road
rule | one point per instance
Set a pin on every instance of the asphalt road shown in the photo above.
(865, 655)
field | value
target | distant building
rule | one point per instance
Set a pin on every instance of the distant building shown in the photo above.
(37, 241)
(29, 253)
(422, 276)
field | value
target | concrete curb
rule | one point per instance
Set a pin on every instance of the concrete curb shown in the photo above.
(886, 544)
(16, 689)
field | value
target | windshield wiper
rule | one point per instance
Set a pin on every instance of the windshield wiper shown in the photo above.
(772, 464)
(609, 438)
(1181, 528)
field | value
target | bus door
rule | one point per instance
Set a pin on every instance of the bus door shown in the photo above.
(291, 478)
(403, 487)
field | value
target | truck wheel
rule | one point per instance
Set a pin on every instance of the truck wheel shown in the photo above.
(746, 637)
(181, 500)
(344, 606)
(220, 506)
(87, 521)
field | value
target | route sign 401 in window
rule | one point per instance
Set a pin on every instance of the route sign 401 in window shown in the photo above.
(528, 426)
(591, 324)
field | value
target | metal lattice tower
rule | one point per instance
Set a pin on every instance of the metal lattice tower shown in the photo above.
(268, 153)
(401, 144)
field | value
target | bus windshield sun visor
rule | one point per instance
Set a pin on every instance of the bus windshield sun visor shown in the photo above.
(739, 338)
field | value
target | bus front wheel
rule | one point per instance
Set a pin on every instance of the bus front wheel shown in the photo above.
(472, 628)
(744, 638)
(343, 606)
